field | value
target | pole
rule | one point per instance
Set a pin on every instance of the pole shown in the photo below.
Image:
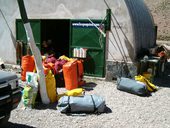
(35, 51)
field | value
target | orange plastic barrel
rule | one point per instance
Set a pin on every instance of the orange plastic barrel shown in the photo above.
(27, 65)
(70, 73)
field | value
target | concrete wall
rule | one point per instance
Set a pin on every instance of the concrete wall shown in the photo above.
(120, 69)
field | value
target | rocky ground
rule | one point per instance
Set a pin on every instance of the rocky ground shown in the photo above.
(124, 110)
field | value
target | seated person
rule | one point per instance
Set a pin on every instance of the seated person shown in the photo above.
(47, 48)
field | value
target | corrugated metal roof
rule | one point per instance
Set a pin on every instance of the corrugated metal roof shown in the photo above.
(143, 25)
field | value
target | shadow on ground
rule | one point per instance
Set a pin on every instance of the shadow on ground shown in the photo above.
(41, 106)
(89, 86)
(107, 110)
(163, 80)
(16, 125)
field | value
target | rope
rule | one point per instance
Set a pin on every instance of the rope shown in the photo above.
(122, 53)
(97, 28)
(117, 22)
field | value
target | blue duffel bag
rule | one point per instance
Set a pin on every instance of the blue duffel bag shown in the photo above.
(81, 104)
(132, 86)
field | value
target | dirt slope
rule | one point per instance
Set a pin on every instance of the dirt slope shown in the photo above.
(160, 10)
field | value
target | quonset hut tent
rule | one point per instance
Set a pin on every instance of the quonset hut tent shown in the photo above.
(73, 24)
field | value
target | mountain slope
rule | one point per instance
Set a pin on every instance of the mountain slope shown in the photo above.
(160, 10)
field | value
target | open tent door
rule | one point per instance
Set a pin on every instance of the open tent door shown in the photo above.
(84, 34)
(56, 30)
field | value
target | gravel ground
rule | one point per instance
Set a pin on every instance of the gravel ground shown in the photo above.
(124, 110)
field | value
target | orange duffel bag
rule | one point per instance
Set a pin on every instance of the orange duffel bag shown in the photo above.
(70, 73)
(27, 65)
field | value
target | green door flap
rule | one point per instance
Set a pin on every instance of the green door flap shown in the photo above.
(84, 34)
(36, 28)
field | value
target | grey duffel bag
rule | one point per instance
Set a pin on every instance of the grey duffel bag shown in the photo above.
(132, 86)
(81, 104)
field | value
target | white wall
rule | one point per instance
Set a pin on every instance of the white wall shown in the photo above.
(62, 9)
(7, 49)
(117, 45)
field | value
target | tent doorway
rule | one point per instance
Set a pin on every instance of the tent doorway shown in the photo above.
(66, 35)
(57, 32)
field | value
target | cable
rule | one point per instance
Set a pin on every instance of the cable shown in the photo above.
(119, 40)
(124, 56)
(117, 31)
(97, 28)
(122, 53)
(117, 22)
(111, 55)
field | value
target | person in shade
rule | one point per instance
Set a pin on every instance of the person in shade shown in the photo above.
(47, 48)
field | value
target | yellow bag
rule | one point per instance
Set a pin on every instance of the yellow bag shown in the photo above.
(151, 87)
(63, 57)
(73, 92)
(51, 87)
